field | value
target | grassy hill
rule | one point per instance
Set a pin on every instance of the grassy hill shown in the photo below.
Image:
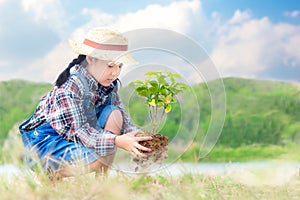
(18, 100)
(258, 111)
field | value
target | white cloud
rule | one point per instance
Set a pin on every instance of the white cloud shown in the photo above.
(175, 16)
(50, 12)
(291, 48)
(52, 64)
(292, 14)
(45, 69)
(255, 45)
(99, 17)
(240, 17)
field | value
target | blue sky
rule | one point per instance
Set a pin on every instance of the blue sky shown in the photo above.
(275, 10)
(243, 38)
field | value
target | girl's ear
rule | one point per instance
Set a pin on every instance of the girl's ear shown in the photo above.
(90, 59)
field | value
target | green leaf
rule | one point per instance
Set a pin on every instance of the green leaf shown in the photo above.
(163, 91)
(141, 88)
(153, 90)
(137, 83)
(142, 91)
(175, 75)
(162, 80)
(150, 73)
(154, 83)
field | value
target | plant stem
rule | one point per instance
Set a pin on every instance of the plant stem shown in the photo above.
(151, 117)
(155, 128)
(154, 119)
(162, 116)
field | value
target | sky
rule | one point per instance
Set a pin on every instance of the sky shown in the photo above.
(257, 39)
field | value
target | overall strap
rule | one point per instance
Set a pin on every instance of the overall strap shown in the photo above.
(90, 111)
(86, 99)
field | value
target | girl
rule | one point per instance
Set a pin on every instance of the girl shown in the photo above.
(81, 120)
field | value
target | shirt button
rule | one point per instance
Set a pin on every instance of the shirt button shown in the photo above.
(35, 133)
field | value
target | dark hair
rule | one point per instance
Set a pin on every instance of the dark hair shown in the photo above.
(63, 77)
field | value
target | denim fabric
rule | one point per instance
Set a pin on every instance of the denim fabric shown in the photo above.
(103, 113)
(44, 145)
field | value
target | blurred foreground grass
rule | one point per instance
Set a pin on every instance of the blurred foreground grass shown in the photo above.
(269, 183)
(187, 186)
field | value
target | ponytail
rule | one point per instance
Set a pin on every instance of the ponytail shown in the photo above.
(63, 77)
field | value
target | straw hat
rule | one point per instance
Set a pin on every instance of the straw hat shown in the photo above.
(104, 44)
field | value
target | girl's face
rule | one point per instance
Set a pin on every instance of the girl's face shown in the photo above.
(105, 72)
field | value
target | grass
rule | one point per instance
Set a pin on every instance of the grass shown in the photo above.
(187, 186)
(244, 153)
(268, 183)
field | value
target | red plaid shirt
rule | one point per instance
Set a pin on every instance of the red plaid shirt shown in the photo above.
(63, 108)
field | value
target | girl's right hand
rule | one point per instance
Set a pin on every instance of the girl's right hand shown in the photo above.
(130, 142)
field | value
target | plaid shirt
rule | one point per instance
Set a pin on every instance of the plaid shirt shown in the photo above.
(63, 108)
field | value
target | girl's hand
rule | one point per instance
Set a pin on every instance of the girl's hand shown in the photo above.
(130, 142)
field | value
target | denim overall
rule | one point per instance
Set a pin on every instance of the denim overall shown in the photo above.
(45, 146)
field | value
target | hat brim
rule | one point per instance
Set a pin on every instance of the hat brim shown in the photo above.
(118, 56)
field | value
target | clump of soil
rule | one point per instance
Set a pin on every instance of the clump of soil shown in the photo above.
(158, 146)
(157, 143)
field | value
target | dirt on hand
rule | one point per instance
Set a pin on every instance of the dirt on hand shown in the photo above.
(158, 146)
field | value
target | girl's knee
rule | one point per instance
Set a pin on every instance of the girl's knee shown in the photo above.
(114, 122)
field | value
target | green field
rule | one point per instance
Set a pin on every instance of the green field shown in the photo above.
(262, 118)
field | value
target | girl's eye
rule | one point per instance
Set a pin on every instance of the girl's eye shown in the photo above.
(112, 66)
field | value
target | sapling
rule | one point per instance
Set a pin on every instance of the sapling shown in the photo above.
(159, 90)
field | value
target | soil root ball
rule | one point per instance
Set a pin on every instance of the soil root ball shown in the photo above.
(158, 146)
